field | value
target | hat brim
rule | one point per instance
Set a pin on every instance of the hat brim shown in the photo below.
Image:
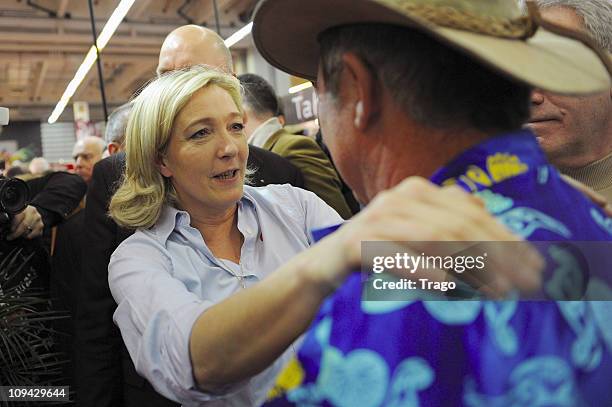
(285, 33)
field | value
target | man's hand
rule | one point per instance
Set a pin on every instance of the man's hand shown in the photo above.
(416, 212)
(27, 224)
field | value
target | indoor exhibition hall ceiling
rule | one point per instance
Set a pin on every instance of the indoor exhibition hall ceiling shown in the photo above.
(43, 42)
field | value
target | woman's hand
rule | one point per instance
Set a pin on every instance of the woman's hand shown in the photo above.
(27, 224)
(417, 212)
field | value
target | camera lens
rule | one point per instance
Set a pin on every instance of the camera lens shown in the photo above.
(13, 195)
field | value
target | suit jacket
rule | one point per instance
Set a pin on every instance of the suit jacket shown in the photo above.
(346, 190)
(105, 374)
(271, 168)
(319, 174)
(65, 269)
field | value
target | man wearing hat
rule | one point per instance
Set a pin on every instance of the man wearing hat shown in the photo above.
(440, 89)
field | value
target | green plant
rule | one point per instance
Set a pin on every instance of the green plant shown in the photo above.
(27, 355)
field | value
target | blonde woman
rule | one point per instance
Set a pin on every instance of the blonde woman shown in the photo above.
(219, 280)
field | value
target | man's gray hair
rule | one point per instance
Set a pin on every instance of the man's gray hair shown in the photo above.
(117, 123)
(596, 14)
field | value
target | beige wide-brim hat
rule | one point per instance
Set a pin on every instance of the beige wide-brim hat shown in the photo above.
(495, 32)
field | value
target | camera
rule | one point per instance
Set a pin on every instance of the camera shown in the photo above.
(13, 198)
(14, 192)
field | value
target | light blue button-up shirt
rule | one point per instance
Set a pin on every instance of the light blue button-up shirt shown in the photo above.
(165, 277)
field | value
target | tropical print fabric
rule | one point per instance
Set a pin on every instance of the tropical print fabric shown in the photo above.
(473, 353)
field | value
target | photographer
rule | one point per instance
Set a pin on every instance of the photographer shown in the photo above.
(52, 199)
(32, 210)
(28, 211)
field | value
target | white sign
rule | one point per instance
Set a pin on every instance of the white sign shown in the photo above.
(4, 116)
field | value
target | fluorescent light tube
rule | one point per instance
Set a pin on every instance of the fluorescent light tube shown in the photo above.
(107, 32)
(238, 35)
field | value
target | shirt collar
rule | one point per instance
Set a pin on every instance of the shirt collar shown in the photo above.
(172, 218)
(496, 159)
(261, 134)
(169, 219)
(247, 197)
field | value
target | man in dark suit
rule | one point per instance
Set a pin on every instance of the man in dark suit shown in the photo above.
(105, 373)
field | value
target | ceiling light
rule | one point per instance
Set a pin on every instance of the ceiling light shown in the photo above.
(238, 35)
(80, 74)
(113, 22)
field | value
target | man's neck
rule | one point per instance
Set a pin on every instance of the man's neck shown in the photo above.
(593, 151)
(421, 152)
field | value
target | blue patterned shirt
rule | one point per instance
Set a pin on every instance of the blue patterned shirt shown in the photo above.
(473, 353)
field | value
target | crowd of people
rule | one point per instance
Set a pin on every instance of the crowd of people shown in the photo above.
(207, 256)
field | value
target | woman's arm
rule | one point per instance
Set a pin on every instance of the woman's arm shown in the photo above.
(256, 325)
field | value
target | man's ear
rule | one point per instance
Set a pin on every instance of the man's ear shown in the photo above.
(112, 148)
(361, 92)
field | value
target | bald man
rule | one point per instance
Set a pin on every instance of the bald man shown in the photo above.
(105, 374)
(184, 47)
(87, 152)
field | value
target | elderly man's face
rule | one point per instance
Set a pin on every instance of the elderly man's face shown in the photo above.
(86, 155)
(571, 129)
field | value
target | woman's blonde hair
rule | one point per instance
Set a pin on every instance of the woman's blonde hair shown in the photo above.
(143, 192)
